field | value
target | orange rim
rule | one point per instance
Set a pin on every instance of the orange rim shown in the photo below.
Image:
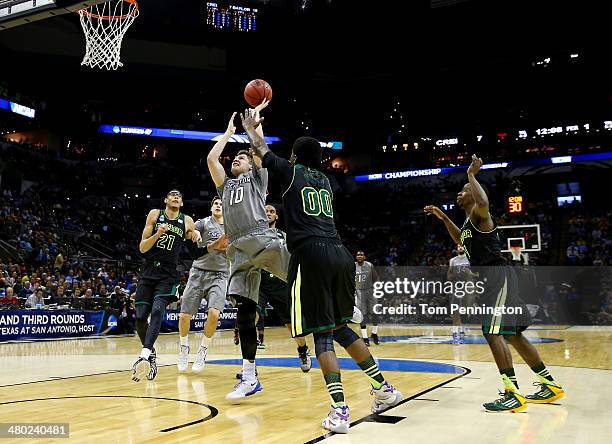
(86, 13)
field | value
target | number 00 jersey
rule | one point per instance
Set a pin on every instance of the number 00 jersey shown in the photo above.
(307, 200)
(168, 247)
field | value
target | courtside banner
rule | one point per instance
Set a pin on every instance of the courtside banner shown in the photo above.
(44, 324)
(500, 297)
(227, 320)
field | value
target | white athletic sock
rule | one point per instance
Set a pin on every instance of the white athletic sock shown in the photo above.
(248, 370)
(461, 329)
(375, 330)
(145, 353)
(184, 340)
(206, 341)
(364, 333)
(455, 329)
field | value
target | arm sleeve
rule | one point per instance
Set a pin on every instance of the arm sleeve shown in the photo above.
(281, 168)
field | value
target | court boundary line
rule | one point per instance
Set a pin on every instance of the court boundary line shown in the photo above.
(213, 410)
(372, 416)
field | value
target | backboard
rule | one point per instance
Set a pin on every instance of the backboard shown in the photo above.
(526, 236)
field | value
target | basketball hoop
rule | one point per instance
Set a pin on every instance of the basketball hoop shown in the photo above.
(104, 26)
(516, 253)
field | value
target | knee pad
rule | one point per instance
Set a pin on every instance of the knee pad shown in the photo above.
(324, 342)
(345, 336)
(246, 315)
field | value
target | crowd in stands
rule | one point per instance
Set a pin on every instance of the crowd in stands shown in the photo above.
(590, 237)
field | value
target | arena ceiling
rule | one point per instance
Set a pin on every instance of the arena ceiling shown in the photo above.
(444, 58)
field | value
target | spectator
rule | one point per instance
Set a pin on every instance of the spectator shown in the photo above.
(27, 290)
(60, 292)
(88, 294)
(36, 300)
(9, 299)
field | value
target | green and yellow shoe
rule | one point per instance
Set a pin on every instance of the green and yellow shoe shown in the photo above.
(509, 402)
(549, 392)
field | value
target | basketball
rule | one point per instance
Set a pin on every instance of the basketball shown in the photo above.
(256, 91)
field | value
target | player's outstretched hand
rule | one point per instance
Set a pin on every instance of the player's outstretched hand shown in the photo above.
(231, 127)
(162, 229)
(196, 236)
(261, 106)
(250, 120)
(475, 165)
(431, 209)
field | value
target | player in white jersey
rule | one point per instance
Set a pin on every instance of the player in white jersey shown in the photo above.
(365, 276)
(253, 246)
(459, 270)
(207, 279)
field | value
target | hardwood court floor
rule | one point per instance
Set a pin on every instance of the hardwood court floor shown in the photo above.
(86, 383)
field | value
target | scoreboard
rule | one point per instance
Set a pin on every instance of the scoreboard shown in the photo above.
(516, 204)
(231, 17)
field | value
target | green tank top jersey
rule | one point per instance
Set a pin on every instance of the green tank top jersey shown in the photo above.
(169, 245)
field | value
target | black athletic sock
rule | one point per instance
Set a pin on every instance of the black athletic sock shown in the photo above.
(334, 387)
(542, 372)
(261, 338)
(302, 349)
(157, 314)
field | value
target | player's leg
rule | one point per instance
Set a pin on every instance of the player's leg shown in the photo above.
(359, 303)
(190, 303)
(550, 390)
(456, 317)
(260, 322)
(249, 385)
(385, 395)
(165, 293)
(311, 310)
(369, 300)
(215, 288)
(338, 419)
(143, 305)
(512, 400)
(183, 354)
(499, 293)
(236, 335)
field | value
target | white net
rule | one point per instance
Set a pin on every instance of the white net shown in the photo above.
(105, 25)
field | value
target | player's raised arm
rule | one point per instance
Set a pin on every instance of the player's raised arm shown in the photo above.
(480, 197)
(256, 159)
(192, 233)
(250, 122)
(214, 166)
(453, 230)
(149, 240)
